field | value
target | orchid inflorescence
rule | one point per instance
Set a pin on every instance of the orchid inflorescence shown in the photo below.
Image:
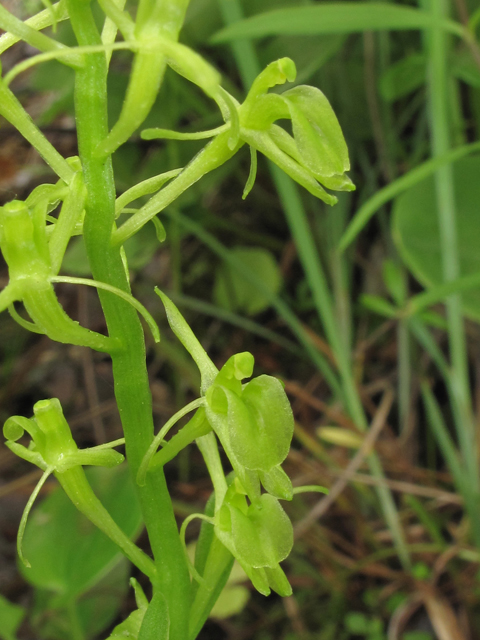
(252, 420)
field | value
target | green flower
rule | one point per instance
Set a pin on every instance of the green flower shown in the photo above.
(53, 449)
(254, 423)
(317, 152)
(52, 446)
(258, 535)
(33, 251)
(315, 155)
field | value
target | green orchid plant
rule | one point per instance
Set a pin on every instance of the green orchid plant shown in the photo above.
(251, 420)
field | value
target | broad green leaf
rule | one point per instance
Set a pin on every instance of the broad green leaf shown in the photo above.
(395, 281)
(332, 17)
(416, 230)
(58, 80)
(409, 73)
(75, 261)
(465, 68)
(95, 610)
(356, 622)
(11, 616)
(67, 553)
(98, 608)
(233, 292)
(399, 186)
(417, 635)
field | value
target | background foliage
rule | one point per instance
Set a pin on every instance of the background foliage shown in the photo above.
(393, 552)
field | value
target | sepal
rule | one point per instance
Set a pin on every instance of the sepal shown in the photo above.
(258, 535)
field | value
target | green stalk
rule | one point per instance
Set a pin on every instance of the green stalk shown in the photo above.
(437, 48)
(244, 52)
(75, 624)
(129, 368)
(404, 373)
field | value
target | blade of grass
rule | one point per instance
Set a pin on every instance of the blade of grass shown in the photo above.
(395, 188)
(439, 292)
(444, 440)
(333, 17)
(426, 519)
(424, 337)
(437, 45)
(340, 267)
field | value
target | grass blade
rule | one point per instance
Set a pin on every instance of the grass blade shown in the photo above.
(395, 188)
(330, 18)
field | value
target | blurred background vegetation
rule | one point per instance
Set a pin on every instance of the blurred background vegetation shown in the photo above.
(393, 552)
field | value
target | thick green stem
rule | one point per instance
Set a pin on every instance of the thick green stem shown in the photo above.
(129, 369)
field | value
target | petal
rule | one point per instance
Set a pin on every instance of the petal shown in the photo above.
(258, 577)
(317, 132)
(277, 483)
(271, 413)
(277, 72)
(338, 182)
(262, 141)
(264, 537)
(278, 581)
